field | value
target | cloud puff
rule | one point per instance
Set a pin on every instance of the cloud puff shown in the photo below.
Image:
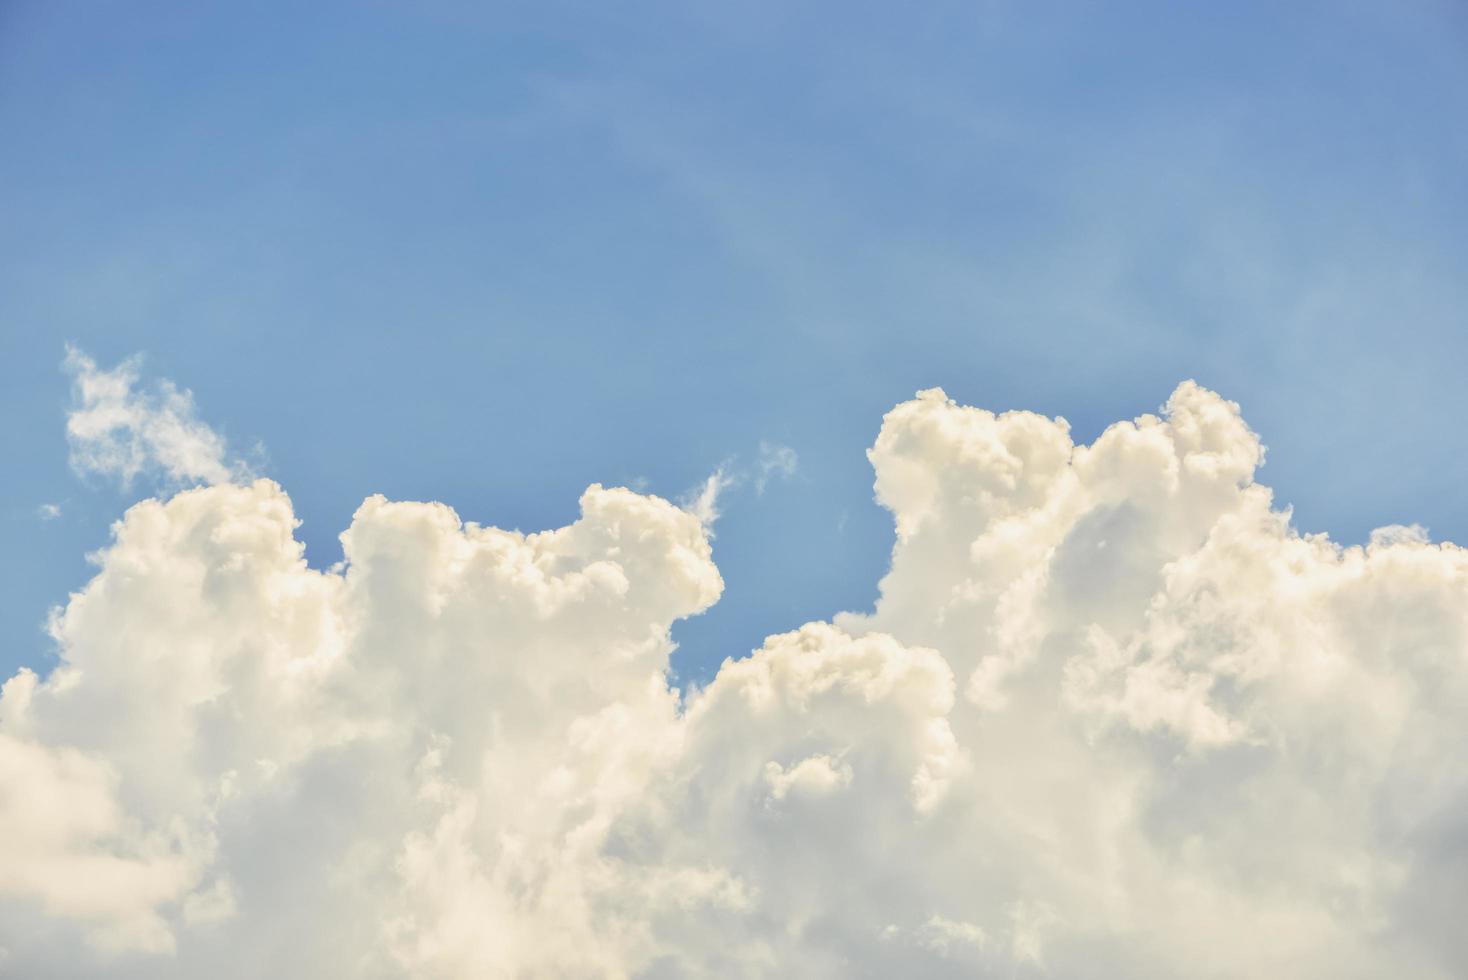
(1111, 716)
(118, 429)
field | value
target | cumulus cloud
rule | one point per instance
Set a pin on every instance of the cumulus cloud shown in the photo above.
(120, 429)
(1110, 716)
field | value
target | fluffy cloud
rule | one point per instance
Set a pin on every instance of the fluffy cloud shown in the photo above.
(121, 430)
(1111, 716)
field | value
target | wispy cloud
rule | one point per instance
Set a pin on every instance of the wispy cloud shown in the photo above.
(703, 500)
(121, 429)
(48, 512)
(775, 461)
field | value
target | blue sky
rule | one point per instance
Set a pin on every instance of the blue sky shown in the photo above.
(491, 254)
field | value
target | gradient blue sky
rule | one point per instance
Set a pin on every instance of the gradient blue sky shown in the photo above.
(488, 254)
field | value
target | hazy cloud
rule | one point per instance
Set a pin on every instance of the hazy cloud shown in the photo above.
(774, 461)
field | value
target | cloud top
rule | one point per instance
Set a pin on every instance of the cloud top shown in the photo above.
(1111, 716)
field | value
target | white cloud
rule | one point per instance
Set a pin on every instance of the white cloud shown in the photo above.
(1111, 716)
(48, 512)
(703, 501)
(118, 429)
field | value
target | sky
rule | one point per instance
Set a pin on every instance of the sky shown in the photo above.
(490, 255)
